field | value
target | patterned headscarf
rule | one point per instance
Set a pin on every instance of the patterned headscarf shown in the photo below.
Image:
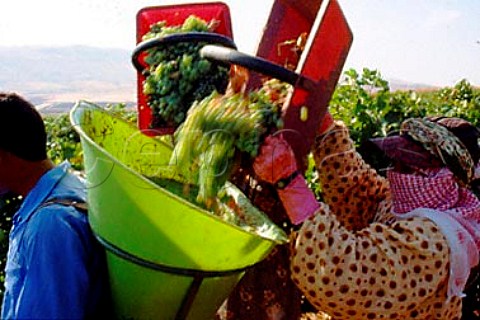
(435, 142)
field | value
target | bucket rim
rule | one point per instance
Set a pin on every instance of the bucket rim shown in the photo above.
(86, 105)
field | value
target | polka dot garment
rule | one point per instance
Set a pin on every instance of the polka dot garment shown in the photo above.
(353, 260)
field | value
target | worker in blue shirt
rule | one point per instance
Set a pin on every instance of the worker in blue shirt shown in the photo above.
(55, 267)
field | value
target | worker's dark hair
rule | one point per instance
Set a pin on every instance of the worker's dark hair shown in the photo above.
(22, 131)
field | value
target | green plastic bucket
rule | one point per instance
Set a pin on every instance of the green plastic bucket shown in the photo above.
(167, 258)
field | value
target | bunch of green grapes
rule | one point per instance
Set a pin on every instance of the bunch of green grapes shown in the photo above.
(217, 131)
(176, 75)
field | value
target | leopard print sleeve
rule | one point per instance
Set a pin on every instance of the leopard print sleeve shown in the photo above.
(353, 260)
(379, 272)
(351, 188)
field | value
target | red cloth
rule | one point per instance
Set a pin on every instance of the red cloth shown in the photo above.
(434, 194)
(435, 189)
(298, 200)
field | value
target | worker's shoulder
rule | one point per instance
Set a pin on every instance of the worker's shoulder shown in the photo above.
(60, 213)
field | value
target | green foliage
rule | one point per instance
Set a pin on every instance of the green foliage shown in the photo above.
(311, 176)
(63, 142)
(364, 102)
(370, 109)
(460, 101)
(8, 205)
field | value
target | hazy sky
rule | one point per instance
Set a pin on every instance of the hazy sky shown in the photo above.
(434, 42)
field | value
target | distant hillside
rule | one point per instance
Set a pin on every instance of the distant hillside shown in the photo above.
(396, 84)
(55, 77)
(66, 74)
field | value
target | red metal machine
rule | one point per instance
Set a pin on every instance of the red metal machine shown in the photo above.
(322, 59)
(322, 33)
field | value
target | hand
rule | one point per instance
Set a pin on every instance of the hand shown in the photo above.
(276, 160)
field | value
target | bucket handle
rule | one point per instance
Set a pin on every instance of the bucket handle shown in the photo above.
(198, 275)
(165, 268)
(196, 37)
(231, 56)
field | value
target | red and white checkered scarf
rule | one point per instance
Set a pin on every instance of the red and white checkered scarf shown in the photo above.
(434, 194)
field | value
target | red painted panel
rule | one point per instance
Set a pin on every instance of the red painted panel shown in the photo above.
(325, 55)
(174, 15)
